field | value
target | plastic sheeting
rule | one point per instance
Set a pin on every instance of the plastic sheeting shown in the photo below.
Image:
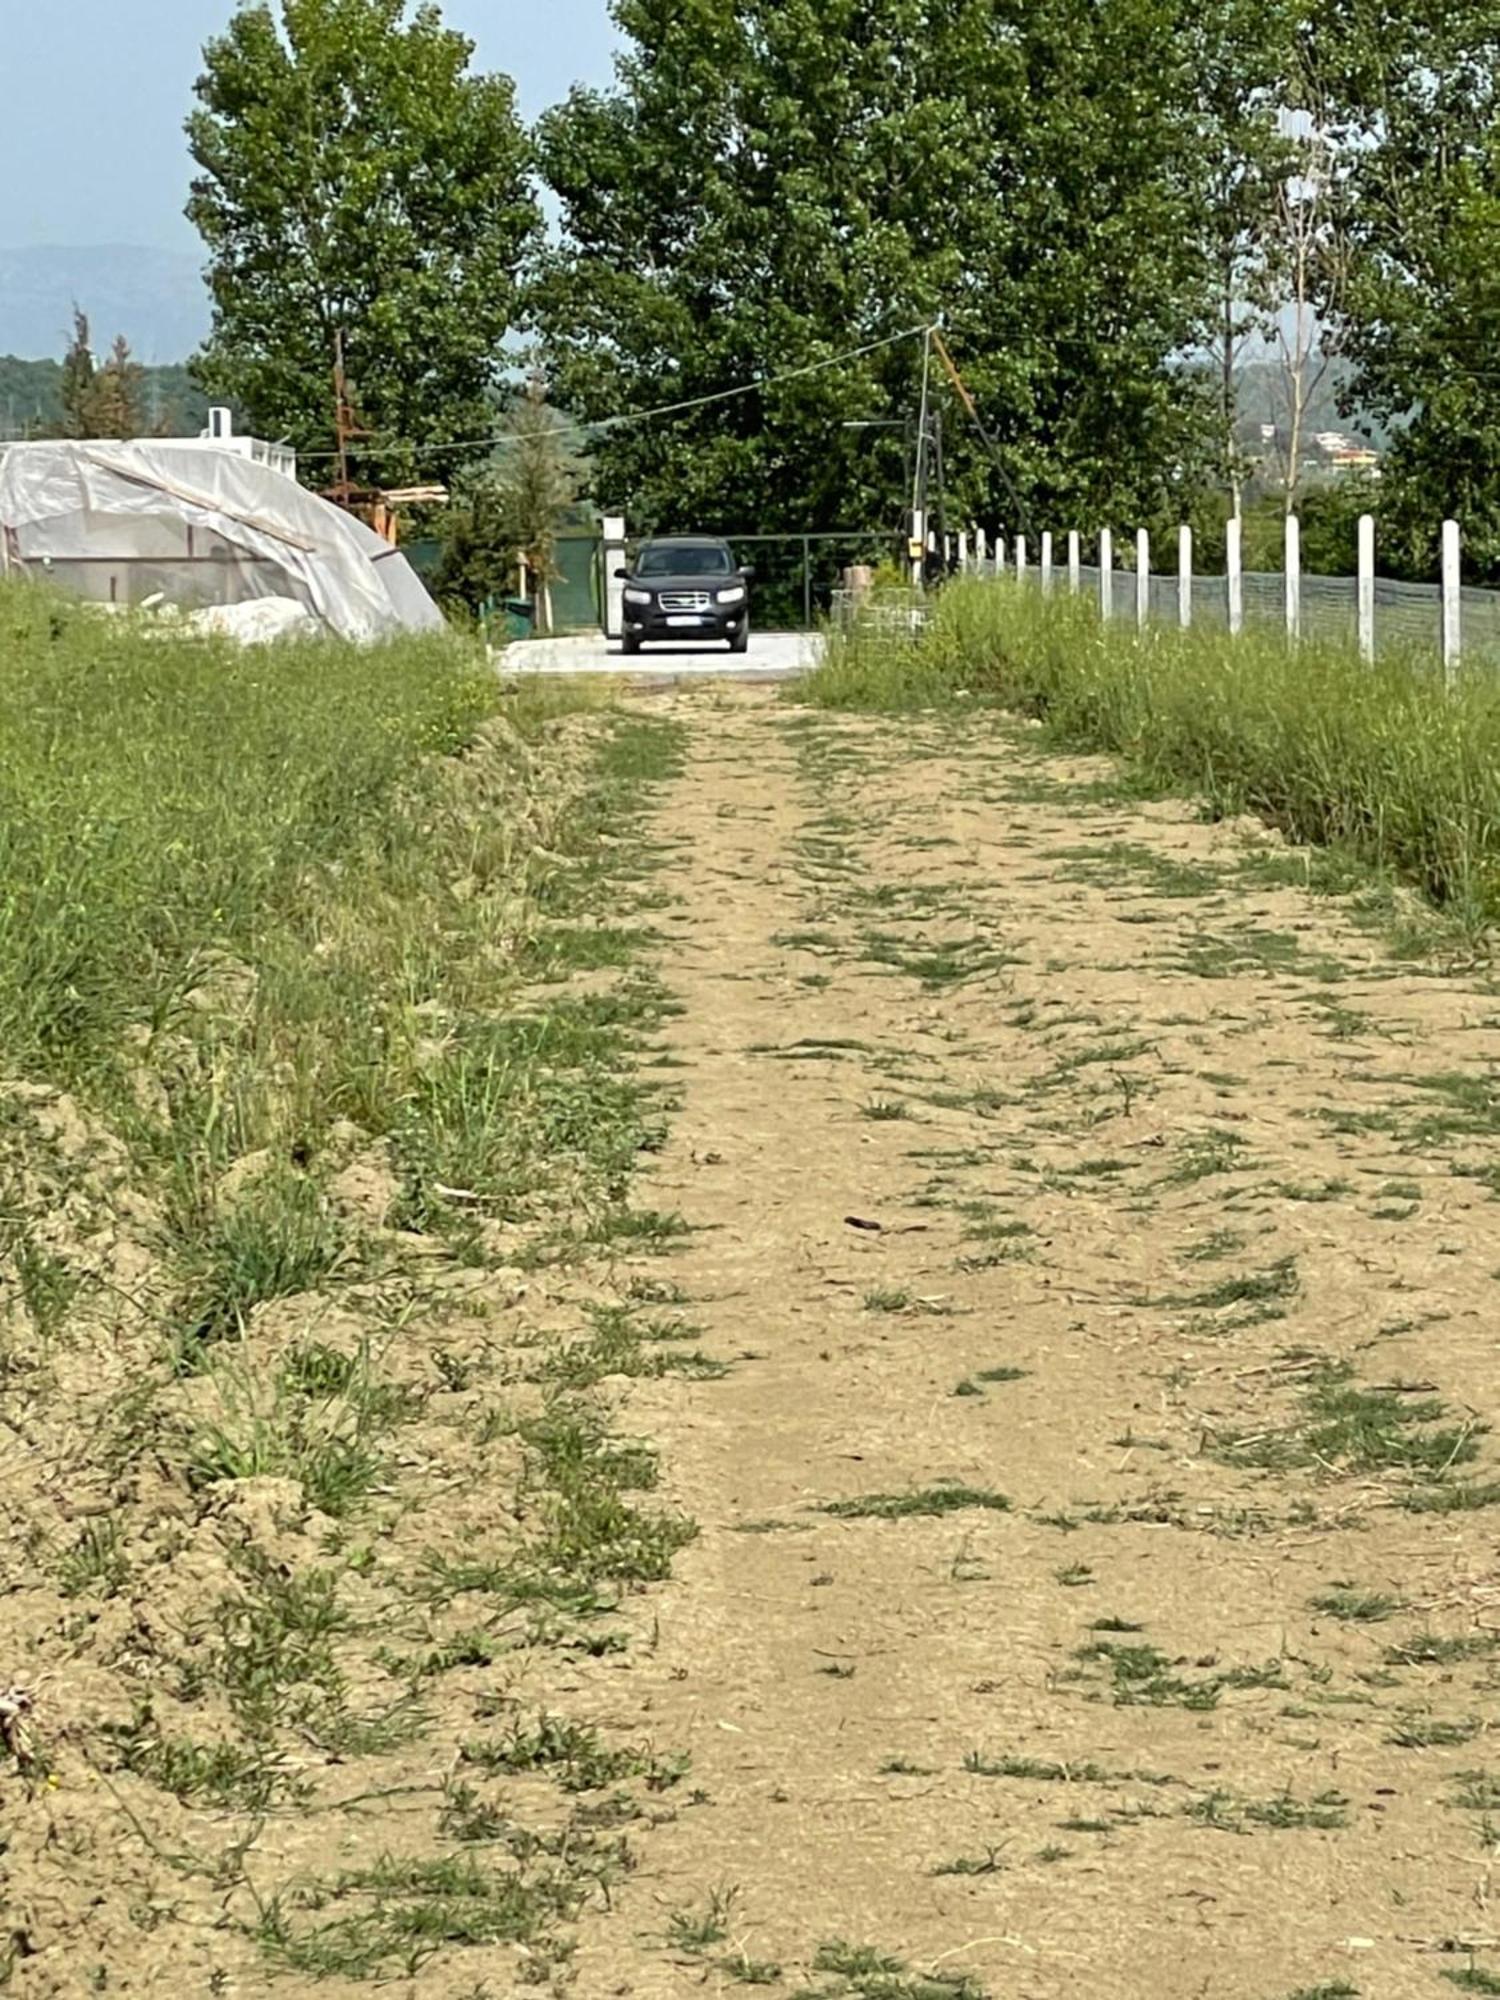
(118, 523)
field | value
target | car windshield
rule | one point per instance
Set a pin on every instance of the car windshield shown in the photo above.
(684, 559)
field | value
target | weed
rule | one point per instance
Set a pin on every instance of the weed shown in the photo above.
(868, 1974)
(929, 1500)
(280, 1237)
(1433, 1649)
(571, 1751)
(694, 1931)
(751, 1971)
(1414, 1731)
(394, 1915)
(1357, 1607)
(1327, 1812)
(96, 1563)
(1140, 1676)
(989, 1863)
(1352, 1430)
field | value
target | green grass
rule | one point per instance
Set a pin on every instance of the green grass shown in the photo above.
(1357, 1607)
(928, 1501)
(1346, 1429)
(295, 931)
(1374, 761)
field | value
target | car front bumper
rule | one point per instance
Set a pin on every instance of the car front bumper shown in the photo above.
(649, 621)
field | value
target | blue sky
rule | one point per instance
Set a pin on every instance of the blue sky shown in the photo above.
(93, 94)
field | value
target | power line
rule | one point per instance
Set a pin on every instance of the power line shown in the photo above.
(660, 409)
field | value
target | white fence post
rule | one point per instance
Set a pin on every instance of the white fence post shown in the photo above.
(1367, 588)
(1142, 579)
(999, 553)
(981, 549)
(1293, 579)
(1235, 573)
(1046, 563)
(1452, 601)
(1075, 562)
(1106, 574)
(963, 550)
(1184, 576)
(1020, 558)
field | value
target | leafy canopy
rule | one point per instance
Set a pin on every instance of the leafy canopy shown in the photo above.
(355, 177)
(775, 182)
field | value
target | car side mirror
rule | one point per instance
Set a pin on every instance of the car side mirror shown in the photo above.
(747, 570)
(622, 576)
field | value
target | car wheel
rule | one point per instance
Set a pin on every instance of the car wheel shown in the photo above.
(740, 643)
(631, 643)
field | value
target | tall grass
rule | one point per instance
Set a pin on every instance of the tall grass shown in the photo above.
(166, 803)
(1374, 759)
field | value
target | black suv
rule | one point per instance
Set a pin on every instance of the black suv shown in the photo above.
(687, 587)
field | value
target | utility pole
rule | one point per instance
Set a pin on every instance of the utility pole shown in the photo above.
(917, 546)
(942, 503)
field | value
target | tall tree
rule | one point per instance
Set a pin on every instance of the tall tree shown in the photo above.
(774, 183)
(77, 386)
(512, 505)
(1415, 86)
(116, 395)
(357, 182)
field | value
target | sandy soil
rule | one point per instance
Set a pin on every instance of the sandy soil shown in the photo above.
(1095, 1587)
(1174, 1077)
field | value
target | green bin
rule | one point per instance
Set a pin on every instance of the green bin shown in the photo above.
(517, 617)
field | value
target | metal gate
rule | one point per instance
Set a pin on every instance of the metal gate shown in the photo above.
(577, 602)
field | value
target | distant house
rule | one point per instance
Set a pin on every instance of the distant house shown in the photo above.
(1344, 453)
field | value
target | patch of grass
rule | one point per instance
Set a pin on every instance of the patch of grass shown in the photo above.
(868, 1974)
(1350, 1430)
(278, 1238)
(885, 1110)
(989, 1863)
(96, 1565)
(694, 1931)
(1218, 1243)
(1437, 1649)
(571, 1752)
(1415, 1731)
(887, 1299)
(1327, 1812)
(1142, 1676)
(1473, 1979)
(319, 1421)
(1042, 1769)
(747, 1971)
(1204, 1155)
(392, 1917)
(1462, 1498)
(1357, 1607)
(1254, 1288)
(927, 1501)
(228, 1776)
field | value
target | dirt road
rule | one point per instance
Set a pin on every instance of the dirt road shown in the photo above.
(1096, 1589)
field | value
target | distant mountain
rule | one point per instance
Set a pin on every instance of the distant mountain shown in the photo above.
(156, 298)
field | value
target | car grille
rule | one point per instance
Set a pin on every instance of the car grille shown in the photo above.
(684, 600)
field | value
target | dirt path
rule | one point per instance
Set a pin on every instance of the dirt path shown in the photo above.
(1095, 1590)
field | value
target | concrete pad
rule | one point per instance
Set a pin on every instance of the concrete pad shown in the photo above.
(772, 656)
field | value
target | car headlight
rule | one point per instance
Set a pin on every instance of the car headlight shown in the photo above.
(637, 597)
(734, 595)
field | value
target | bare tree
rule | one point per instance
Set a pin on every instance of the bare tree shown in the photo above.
(1304, 273)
